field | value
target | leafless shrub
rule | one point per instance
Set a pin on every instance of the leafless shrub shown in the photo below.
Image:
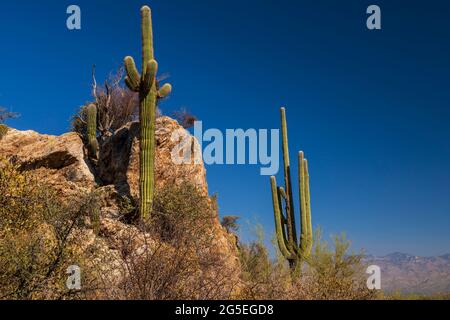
(5, 115)
(230, 223)
(185, 118)
(116, 105)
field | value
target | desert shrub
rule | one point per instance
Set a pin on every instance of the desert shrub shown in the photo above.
(36, 236)
(185, 118)
(78, 123)
(181, 259)
(398, 295)
(5, 115)
(116, 106)
(180, 211)
(262, 277)
(3, 130)
(333, 273)
(230, 223)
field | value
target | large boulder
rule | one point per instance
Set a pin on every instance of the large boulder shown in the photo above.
(59, 160)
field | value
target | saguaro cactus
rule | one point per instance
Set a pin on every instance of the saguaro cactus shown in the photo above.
(292, 249)
(91, 111)
(149, 92)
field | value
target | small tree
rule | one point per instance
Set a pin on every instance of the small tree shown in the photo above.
(5, 115)
(230, 223)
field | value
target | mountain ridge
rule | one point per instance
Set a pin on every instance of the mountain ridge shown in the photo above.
(409, 273)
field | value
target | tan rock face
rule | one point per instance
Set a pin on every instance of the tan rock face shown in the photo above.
(119, 158)
(59, 160)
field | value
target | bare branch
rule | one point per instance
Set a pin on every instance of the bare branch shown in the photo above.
(94, 84)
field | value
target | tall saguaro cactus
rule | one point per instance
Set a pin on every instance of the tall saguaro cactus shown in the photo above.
(149, 92)
(91, 112)
(283, 206)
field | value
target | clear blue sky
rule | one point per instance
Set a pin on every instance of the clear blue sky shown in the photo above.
(370, 108)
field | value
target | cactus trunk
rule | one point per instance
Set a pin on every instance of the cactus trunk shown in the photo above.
(92, 131)
(289, 205)
(147, 87)
(285, 226)
(147, 155)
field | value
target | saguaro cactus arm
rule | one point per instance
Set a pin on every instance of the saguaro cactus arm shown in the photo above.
(291, 229)
(279, 222)
(302, 197)
(309, 232)
(165, 90)
(150, 75)
(133, 76)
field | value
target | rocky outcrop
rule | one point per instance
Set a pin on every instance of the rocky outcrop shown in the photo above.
(59, 160)
(119, 158)
(62, 162)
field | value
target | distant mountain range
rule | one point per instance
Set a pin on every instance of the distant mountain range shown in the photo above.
(412, 274)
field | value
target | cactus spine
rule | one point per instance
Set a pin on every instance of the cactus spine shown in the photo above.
(147, 87)
(292, 249)
(92, 131)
